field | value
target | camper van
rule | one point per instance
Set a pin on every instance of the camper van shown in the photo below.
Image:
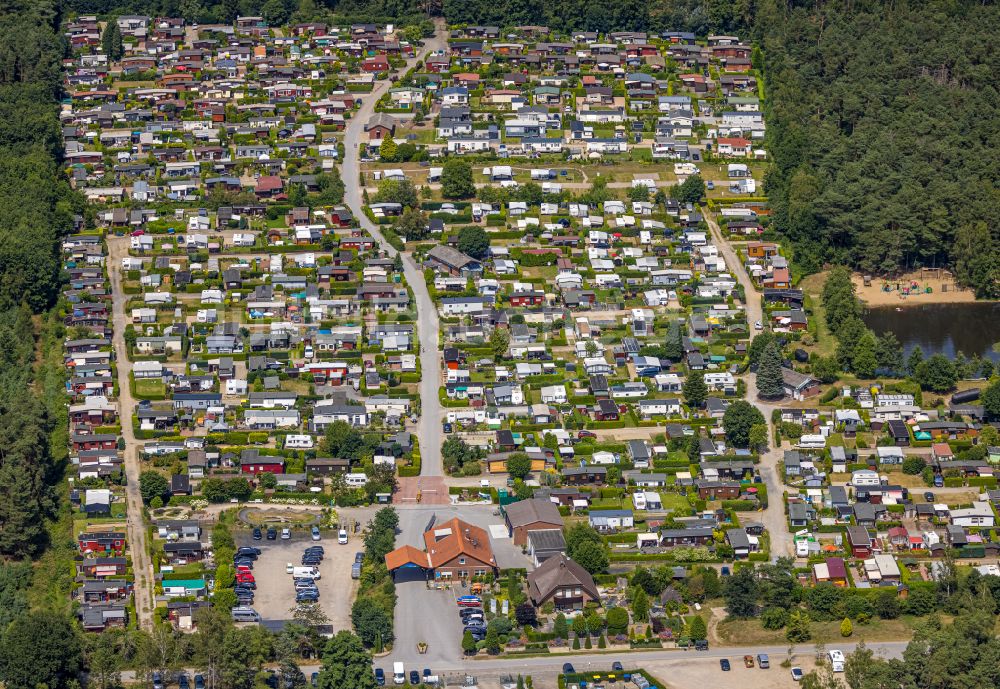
(836, 660)
(398, 674)
(245, 614)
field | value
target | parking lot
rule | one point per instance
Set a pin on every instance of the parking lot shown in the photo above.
(275, 596)
(430, 614)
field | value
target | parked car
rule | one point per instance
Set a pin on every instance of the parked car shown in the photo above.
(182, 681)
(257, 535)
(470, 601)
(724, 664)
(342, 537)
(568, 669)
(272, 534)
(414, 677)
(617, 667)
(157, 680)
(286, 534)
(929, 496)
(797, 674)
(748, 661)
(763, 662)
(380, 677)
(447, 427)
(586, 434)
(315, 533)
(199, 682)
(359, 557)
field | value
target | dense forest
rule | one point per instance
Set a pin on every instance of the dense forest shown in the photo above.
(276, 12)
(882, 129)
(36, 205)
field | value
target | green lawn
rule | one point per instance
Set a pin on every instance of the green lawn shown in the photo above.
(147, 387)
(675, 502)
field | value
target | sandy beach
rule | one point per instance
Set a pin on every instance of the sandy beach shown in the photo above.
(941, 283)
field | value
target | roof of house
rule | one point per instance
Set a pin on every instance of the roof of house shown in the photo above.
(533, 511)
(558, 571)
(406, 555)
(455, 537)
(453, 258)
(547, 539)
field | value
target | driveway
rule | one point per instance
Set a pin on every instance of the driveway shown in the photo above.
(425, 614)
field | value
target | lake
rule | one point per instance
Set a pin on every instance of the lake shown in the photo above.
(946, 328)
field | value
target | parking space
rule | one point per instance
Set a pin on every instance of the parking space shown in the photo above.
(275, 597)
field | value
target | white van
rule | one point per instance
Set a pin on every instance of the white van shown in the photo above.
(398, 674)
(302, 572)
(836, 660)
(245, 614)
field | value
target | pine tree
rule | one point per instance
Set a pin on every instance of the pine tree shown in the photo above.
(640, 605)
(865, 359)
(468, 643)
(769, 379)
(673, 347)
(695, 390)
(914, 360)
(111, 41)
(697, 629)
(890, 353)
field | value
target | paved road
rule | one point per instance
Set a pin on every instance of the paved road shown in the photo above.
(545, 669)
(429, 429)
(773, 517)
(548, 667)
(136, 531)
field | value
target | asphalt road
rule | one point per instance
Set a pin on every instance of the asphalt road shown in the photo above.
(429, 429)
(545, 668)
(679, 669)
(135, 531)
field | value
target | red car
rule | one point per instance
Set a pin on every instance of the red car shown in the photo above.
(138, 233)
(586, 434)
(245, 578)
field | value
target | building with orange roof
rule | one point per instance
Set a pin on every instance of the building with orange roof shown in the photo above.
(452, 550)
